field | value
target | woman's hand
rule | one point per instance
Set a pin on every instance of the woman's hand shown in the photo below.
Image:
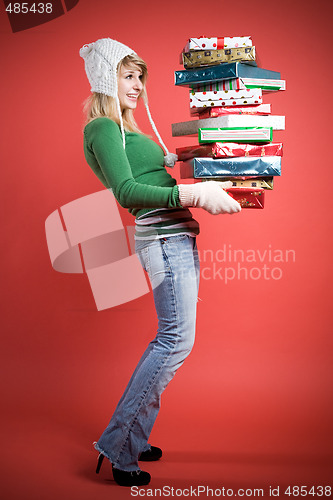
(210, 196)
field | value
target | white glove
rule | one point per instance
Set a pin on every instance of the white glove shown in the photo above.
(210, 196)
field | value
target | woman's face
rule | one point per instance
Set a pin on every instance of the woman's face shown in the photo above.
(129, 86)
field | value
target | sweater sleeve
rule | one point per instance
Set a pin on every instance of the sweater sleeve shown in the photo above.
(105, 142)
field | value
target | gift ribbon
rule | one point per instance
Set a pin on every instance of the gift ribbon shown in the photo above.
(220, 43)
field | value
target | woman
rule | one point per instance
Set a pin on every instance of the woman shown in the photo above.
(133, 166)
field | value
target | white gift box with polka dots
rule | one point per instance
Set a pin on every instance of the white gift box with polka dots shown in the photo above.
(204, 43)
(225, 98)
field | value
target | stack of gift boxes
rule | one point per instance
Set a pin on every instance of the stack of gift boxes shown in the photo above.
(234, 126)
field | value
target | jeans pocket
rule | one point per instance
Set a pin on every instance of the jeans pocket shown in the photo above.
(175, 237)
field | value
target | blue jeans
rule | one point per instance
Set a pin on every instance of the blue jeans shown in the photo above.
(172, 265)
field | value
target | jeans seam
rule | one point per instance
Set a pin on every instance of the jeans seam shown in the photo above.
(135, 417)
(147, 260)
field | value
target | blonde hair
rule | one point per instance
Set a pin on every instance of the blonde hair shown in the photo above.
(98, 105)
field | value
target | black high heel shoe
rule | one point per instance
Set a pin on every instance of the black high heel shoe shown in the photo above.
(151, 455)
(124, 477)
(131, 478)
(99, 462)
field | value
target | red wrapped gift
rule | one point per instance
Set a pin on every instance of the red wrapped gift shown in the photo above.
(248, 197)
(228, 149)
(223, 149)
(189, 152)
(214, 112)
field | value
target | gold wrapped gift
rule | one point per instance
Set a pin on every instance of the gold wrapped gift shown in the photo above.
(197, 58)
(266, 183)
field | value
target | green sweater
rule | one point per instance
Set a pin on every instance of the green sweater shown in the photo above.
(136, 175)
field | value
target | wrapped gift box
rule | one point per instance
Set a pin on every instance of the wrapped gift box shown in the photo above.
(222, 72)
(189, 152)
(251, 182)
(247, 166)
(236, 134)
(204, 43)
(231, 84)
(186, 172)
(248, 197)
(228, 149)
(260, 109)
(191, 127)
(264, 84)
(200, 58)
(225, 98)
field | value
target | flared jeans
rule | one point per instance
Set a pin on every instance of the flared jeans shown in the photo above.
(172, 265)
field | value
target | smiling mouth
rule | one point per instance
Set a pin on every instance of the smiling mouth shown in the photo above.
(133, 96)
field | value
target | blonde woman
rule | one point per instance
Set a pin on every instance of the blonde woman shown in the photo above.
(133, 166)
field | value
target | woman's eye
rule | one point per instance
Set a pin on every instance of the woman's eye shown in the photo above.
(129, 76)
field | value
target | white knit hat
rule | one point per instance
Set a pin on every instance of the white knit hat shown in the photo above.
(101, 60)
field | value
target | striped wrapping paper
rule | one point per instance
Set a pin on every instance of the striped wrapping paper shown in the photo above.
(259, 109)
(231, 84)
(236, 134)
(240, 84)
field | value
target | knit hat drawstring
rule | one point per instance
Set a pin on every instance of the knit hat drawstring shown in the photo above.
(101, 61)
(169, 158)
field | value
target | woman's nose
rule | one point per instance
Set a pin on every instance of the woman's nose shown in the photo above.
(138, 84)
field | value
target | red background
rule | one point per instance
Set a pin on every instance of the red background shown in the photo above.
(252, 406)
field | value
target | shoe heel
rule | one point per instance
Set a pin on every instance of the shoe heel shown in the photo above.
(99, 462)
